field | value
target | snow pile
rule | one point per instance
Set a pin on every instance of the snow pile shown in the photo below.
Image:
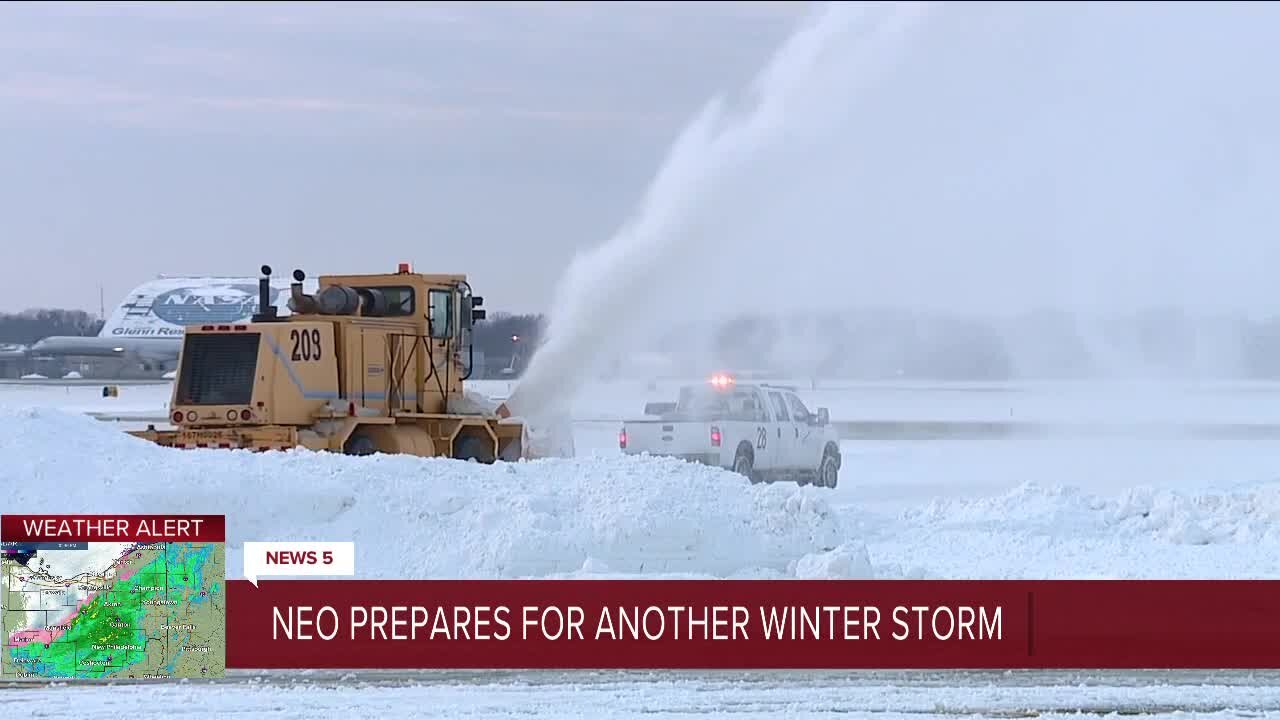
(1027, 505)
(430, 518)
(847, 562)
(1250, 517)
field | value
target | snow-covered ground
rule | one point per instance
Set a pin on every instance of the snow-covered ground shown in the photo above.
(1056, 506)
(657, 696)
(151, 398)
(1040, 402)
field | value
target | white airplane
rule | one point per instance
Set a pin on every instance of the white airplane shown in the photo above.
(147, 327)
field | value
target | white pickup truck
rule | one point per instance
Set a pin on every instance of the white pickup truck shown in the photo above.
(763, 432)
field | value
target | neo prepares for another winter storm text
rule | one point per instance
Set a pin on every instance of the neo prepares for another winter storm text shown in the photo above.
(674, 622)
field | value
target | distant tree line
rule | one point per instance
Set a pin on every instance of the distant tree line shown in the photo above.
(507, 340)
(29, 326)
(884, 343)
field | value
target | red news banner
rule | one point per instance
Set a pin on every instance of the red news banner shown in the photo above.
(748, 624)
(703, 624)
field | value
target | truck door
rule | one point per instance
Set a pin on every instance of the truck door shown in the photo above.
(782, 434)
(809, 436)
(373, 368)
(760, 429)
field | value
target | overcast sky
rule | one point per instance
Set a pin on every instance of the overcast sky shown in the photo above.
(981, 157)
(491, 139)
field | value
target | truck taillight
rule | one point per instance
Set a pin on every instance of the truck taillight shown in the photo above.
(622, 439)
(715, 436)
(177, 416)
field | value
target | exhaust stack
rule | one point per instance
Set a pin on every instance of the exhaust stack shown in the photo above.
(266, 309)
(300, 302)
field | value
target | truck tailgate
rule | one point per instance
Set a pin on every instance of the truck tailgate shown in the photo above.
(689, 440)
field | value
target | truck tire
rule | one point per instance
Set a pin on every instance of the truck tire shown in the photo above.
(473, 447)
(828, 474)
(359, 444)
(744, 463)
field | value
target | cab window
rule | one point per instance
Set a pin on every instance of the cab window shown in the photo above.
(399, 300)
(710, 404)
(798, 410)
(780, 407)
(440, 313)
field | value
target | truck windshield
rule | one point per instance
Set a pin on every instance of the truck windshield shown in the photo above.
(712, 404)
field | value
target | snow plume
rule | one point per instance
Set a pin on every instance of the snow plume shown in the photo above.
(652, 273)
(996, 177)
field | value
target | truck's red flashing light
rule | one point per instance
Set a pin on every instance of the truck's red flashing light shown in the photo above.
(715, 436)
(622, 439)
(721, 380)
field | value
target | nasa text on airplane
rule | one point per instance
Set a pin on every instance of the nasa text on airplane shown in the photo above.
(199, 304)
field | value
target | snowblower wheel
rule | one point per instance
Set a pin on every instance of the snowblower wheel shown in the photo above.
(359, 444)
(472, 447)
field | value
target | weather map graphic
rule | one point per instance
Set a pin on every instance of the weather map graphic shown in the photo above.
(118, 610)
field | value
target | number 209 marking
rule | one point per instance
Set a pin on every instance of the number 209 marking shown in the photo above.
(306, 344)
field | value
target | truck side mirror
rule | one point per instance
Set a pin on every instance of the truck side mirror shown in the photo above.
(824, 417)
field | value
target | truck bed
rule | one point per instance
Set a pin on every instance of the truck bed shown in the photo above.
(681, 438)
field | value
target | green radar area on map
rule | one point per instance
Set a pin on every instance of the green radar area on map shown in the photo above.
(112, 597)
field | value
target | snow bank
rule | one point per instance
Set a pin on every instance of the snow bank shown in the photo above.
(1250, 517)
(1036, 532)
(847, 562)
(430, 518)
